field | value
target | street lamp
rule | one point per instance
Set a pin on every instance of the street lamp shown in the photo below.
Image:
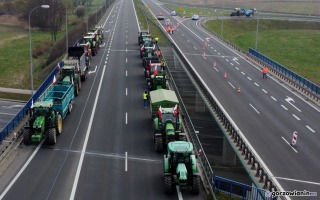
(31, 68)
(257, 34)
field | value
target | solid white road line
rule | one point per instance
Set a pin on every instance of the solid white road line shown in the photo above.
(232, 85)
(179, 193)
(296, 180)
(284, 107)
(76, 179)
(295, 116)
(308, 127)
(254, 108)
(126, 162)
(289, 145)
(21, 170)
(273, 98)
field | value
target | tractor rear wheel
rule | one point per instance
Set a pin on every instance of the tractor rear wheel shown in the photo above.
(195, 184)
(76, 89)
(27, 137)
(168, 187)
(158, 145)
(52, 136)
(69, 107)
(58, 124)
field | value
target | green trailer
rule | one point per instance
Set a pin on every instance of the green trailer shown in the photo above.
(164, 98)
(46, 115)
(167, 126)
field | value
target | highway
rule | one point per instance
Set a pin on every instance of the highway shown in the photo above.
(105, 150)
(265, 110)
(8, 110)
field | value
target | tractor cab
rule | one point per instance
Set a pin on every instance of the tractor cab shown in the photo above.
(180, 167)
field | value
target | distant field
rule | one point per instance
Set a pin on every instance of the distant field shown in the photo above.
(295, 45)
(289, 6)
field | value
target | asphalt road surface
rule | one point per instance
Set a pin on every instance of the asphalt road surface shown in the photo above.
(8, 109)
(106, 149)
(265, 110)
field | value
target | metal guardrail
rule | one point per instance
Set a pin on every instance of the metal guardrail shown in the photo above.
(17, 119)
(235, 189)
(288, 73)
(240, 141)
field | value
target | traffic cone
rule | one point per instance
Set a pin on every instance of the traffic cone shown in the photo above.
(200, 152)
(225, 75)
(238, 89)
(204, 55)
(294, 139)
(214, 64)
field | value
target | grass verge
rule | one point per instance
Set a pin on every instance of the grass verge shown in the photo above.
(15, 96)
(295, 45)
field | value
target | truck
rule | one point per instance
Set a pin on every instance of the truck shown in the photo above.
(167, 127)
(180, 168)
(47, 114)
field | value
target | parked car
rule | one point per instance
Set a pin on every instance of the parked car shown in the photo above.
(160, 16)
(195, 17)
(174, 13)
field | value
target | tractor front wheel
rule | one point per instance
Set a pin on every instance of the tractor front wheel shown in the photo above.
(158, 145)
(52, 136)
(195, 184)
(168, 187)
(27, 137)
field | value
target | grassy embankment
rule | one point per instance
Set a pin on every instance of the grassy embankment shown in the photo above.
(15, 52)
(149, 22)
(293, 44)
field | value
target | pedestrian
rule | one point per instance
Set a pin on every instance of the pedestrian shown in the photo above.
(145, 99)
(264, 72)
(156, 40)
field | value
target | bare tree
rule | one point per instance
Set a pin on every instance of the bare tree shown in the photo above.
(56, 17)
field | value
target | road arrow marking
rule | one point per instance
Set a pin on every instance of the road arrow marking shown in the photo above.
(90, 72)
(289, 99)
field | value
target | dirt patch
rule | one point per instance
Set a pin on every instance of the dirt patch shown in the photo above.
(11, 20)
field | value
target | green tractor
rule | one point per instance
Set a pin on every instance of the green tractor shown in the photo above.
(167, 128)
(180, 168)
(68, 76)
(43, 121)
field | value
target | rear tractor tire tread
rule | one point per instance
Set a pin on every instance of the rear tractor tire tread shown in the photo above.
(158, 145)
(52, 136)
(168, 188)
(27, 137)
(195, 184)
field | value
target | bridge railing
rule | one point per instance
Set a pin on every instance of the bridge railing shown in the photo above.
(18, 117)
(242, 191)
(278, 68)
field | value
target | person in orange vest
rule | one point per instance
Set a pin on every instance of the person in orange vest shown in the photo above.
(264, 72)
(170, 30)
(167, 29)
(159, 53)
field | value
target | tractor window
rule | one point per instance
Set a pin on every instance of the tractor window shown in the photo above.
(41, 111)
(66, 72)
(167, 117)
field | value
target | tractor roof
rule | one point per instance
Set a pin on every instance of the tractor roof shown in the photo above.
(43, 104)
(180, 147)
(162, 96)
(68, 67)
